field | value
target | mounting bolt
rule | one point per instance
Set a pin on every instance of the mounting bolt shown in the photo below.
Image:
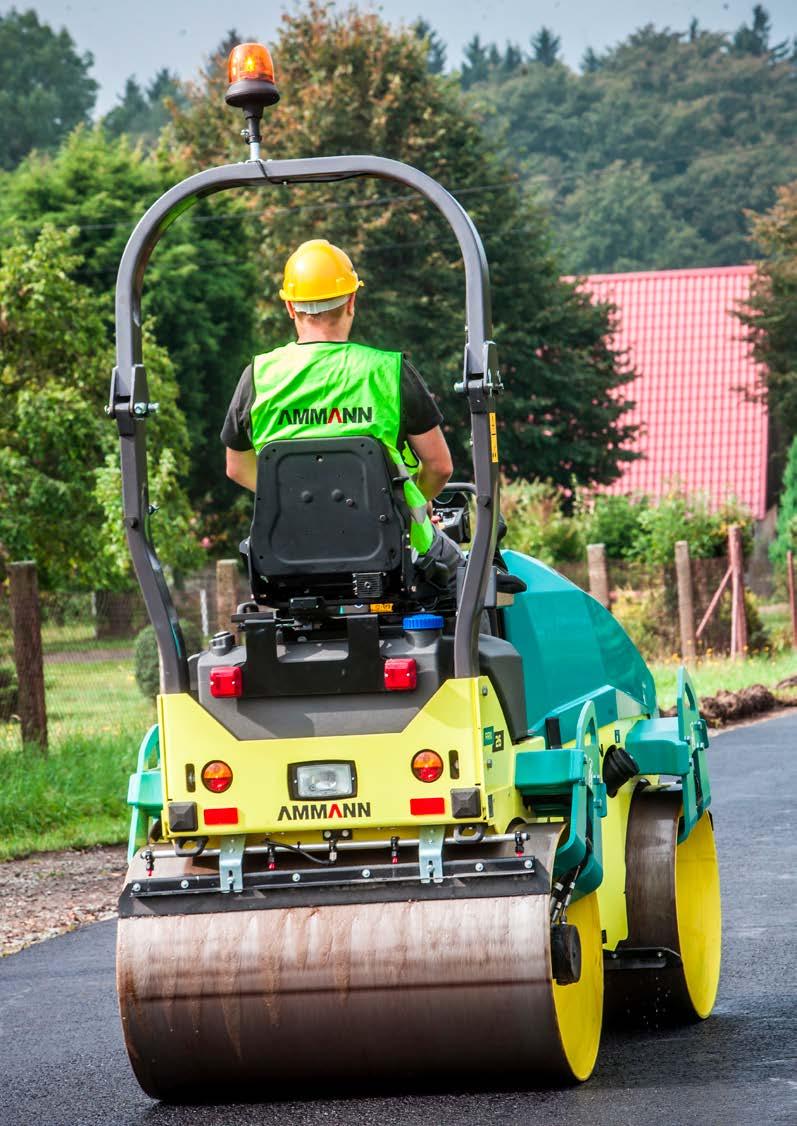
(480, 867)
(489, 763)
(484, 690)
(183, 884)
(296, 877)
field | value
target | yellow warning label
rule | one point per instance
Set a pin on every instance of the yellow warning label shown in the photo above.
(381, 607)
(493, 438)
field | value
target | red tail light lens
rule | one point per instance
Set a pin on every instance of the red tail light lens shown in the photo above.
(401, 674)
(216, 777)
(427, 766)
(226, 681)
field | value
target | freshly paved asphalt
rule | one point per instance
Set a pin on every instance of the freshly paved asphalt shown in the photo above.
(62, 1060)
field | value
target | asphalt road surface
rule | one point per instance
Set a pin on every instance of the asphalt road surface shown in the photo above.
(63, 1063)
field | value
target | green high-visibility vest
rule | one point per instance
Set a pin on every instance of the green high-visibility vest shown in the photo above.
(335, 390)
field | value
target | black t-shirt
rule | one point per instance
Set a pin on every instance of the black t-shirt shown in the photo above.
(419, 412)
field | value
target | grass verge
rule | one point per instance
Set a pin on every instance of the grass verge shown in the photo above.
(712, 674)
(73, 797)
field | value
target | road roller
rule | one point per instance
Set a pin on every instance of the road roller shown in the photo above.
(393, 824)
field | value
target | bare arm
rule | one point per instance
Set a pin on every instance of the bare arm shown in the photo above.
(242, 467)
(432, 451)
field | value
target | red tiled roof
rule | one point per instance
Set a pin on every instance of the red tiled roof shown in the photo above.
(691, 356)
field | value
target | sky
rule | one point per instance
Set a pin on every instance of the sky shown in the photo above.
(139, 37)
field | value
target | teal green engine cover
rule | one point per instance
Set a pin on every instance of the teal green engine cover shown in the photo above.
(573, 650)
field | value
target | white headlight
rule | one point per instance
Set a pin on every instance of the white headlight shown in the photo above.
(324, 780)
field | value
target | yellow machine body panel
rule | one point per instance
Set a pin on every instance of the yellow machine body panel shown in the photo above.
(452, 723)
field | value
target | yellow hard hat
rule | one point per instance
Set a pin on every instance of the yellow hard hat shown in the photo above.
(318, 271)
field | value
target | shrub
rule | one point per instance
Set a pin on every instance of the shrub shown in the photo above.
(9, 693)
(680, 515)
(615, 522)
(757, 636)
(146, 664)
(537, 524)
(642, 615)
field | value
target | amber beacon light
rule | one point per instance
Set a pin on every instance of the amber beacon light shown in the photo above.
(250, 72)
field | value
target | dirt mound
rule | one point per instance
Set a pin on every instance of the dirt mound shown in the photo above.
(730, 707)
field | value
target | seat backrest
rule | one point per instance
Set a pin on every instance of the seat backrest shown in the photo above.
(326, 507)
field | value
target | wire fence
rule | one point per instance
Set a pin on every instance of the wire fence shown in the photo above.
(89, 641)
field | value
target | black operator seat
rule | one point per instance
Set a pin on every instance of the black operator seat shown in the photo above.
(329, 519)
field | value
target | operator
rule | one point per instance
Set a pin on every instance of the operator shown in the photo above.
(323, 386)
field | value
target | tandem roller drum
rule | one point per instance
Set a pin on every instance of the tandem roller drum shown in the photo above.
(673, 902)
(353, 991)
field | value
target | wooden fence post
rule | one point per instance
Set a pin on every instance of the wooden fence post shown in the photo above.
(598, 573)
(226, 591)
(28, 658)
(792, 599)
(686, 600)
(738, 615)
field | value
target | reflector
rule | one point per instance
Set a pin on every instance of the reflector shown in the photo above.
(422, 807)
(228, 816)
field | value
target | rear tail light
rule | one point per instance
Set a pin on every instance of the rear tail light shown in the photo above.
(226, 681)
(401, 674)
(216, 777)
(427, 766)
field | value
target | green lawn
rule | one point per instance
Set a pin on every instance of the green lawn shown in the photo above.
(92, 698)
(72, 637)
(714, 673)
(76, 795)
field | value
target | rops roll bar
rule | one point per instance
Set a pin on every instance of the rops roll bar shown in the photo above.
(129, 398)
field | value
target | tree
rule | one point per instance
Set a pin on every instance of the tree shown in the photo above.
(590, 61)
(753, 39)
(435, 47)
(45, 86)
(475, 64)
(561, 414)
(545, 46)
(200, 285)
(144, 113)
(711, 129)
(59, 477)
(772, 321)
(786, 539)
(617, 220)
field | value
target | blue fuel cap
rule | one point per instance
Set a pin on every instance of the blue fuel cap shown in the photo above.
(423, 621)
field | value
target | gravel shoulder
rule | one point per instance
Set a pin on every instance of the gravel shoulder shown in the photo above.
(50, 893)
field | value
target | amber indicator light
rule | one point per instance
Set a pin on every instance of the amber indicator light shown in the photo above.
(216, 777)
(250, 60)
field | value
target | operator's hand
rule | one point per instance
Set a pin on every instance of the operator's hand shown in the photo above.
(433, 516)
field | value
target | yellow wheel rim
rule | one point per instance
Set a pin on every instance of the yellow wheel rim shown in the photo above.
(579, 1007)
(697, 904)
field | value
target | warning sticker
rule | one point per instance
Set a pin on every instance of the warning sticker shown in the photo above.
(493, 438)
(498, 741)
(489, 736)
